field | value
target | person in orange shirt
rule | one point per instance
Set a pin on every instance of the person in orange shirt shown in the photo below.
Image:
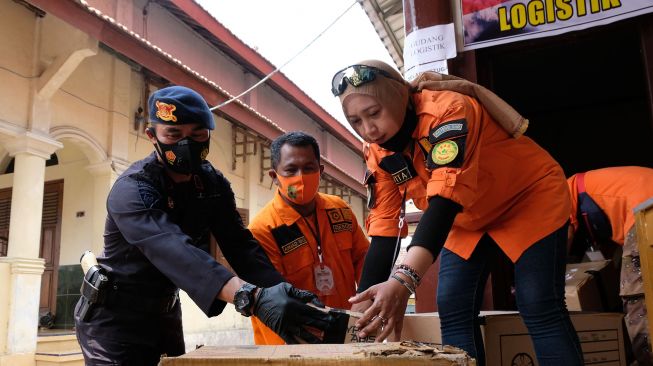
(483, 192)
(312, 239)
(607, 198)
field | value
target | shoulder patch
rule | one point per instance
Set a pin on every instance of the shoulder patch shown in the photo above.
(449, 153)
(340, 219)
(289, 238)
(447, 144)
(444, 152)
(149, 195)
(448, 130)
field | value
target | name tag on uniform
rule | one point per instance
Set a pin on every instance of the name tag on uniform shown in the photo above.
(289, 238)
(399, 167)
(401, 176)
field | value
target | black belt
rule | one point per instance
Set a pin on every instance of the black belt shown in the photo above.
(126, 300)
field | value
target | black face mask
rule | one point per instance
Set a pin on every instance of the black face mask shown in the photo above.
(185, 156)
(399, 141)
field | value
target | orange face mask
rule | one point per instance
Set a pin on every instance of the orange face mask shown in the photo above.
(299, 189)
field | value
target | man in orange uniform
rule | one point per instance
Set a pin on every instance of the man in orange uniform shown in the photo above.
(617, 191)
(313, 239)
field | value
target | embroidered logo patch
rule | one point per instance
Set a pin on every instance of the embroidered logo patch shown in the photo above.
(165, 111)
(346, 214)
(340, 220)
(171, 156)
(335, 215)
(292, 192)
(445, 152)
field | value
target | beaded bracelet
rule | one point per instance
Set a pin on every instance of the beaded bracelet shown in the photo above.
(409, 275)
(403, 282)
(412, 270)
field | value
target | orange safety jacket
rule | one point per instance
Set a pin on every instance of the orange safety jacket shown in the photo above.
(292, 248)
(509, 188)
(616, 191)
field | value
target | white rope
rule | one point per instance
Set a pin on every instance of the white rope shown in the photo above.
(287, 62)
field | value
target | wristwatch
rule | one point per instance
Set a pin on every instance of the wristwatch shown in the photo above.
(244, 299)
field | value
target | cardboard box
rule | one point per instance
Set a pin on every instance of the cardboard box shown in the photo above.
(592, 286)
(422, 327)
(508, 343)
(367, 354)
(425, 327)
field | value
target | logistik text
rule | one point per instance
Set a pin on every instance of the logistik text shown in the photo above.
(538, 12)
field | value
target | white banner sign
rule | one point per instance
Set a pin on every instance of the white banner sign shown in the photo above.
(427, 49)
(492, 22)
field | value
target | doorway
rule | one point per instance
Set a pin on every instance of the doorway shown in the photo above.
(50, 239)
(587, 98)
(585, 94)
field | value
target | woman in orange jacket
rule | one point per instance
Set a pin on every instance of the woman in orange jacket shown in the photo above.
(483, 193)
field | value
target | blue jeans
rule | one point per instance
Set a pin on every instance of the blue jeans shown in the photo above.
(539, 285)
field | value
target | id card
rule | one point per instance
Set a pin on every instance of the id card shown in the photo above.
(323, 279)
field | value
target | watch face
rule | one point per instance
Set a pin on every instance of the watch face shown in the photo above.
(241, 300)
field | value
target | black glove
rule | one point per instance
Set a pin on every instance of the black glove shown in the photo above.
(283, 309)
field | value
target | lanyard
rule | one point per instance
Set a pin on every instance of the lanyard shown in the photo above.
(315, 235)
(402, 214)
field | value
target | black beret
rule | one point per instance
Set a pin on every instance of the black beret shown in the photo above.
(178, 105)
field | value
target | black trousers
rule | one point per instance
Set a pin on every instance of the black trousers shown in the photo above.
(120, 337)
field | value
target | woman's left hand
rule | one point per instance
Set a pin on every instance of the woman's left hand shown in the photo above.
(387, 310)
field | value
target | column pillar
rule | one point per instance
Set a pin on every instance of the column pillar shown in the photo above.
(20, 307)
(104, 175)
(253, 171)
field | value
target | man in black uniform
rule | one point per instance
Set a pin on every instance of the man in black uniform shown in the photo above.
(161, 213)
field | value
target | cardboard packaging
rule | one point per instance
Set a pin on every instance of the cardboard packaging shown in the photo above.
(592, 286)
(364, 354)
(425, 327)
(422, 327)
(508, 343)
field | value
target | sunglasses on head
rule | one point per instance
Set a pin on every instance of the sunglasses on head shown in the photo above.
(356, 75)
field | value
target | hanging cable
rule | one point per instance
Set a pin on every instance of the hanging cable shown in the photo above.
(287, 62)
